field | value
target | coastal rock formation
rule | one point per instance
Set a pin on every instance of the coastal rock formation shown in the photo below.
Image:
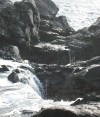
(66, 62)
(15, 28)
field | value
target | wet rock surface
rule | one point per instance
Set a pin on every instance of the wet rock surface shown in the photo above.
(69, 82)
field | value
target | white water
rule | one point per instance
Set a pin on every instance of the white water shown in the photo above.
(24, 95)
(15, 0)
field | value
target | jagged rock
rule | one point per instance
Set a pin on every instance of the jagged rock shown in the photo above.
(47, 8)
(54, 29)
(30, 17)
(4, 68)
(61, 26)
(10, 52)
(13, 77)
(16, 27)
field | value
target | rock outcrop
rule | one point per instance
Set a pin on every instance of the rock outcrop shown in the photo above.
(19, 22)
(47, 8)
(10, 52)
(71, 81)
(66, 62)
(83, 110)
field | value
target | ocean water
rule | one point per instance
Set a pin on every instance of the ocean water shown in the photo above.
(79, 13)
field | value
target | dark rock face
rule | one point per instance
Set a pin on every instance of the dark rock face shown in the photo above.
(69, 82)
(47, 8)
(61, 26)
(29, 15)
(4, 68)
(13, 77)
(15, 28)
(56, 113)
(49, 54)
(57, 82)
(54, 29)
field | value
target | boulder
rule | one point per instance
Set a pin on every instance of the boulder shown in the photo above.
(47, 8)
(61, 26)
(13, 77)
(3, 68)
(29, 15)
(83, 110)
(56, 113)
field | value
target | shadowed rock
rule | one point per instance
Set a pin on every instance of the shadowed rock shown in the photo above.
(56, 113)
(47, 8)
(13, 77)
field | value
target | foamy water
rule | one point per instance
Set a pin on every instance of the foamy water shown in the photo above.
(15, 0)
(24, 95)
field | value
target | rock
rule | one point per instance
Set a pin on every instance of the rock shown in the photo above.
(93, 76)
(30, 17)
(46, 53)
(69, 82)
(13, 77)
(16, 27)
(56, 81)
(84, 110)
(88, 98)
(56, 113)
(47, 8)
(54, 29)
(94, 60)
(4, 68)
(61, 26)
(10, 52)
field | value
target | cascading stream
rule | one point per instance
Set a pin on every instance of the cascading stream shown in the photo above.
(26, 94)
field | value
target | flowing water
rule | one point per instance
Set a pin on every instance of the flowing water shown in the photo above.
(27, 94)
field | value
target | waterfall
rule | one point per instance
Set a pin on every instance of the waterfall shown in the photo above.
(46, 88)
(25, 94)
(71, 56)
